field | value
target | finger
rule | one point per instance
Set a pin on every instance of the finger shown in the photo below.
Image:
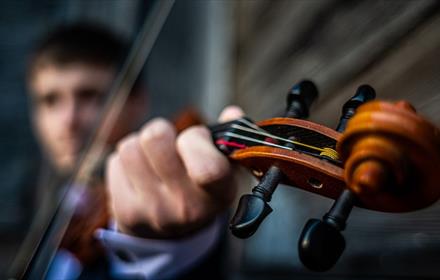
(231, 113)
(158, 143)
(204, 163)
(136, 167)
(120, 192)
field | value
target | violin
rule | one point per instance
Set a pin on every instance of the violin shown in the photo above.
(382, 156)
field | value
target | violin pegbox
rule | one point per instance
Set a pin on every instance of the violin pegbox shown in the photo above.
(382, 156)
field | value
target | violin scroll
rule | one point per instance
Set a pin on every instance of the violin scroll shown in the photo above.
(391, 157)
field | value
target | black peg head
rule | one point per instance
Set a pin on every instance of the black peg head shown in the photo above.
(251, 211)
(300, 98)
(364, 93)
(320, 245)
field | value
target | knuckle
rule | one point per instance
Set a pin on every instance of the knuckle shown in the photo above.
(126, 144)
(156, 130)
(127, 150)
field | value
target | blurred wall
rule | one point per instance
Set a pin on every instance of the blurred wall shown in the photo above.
(338, 44)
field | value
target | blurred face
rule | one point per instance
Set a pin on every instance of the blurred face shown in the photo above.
(67, 101)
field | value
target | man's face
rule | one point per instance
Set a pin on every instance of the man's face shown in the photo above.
(67, 101)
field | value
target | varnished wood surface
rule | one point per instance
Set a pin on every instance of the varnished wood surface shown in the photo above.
(401, 142)
(331, 133)
(301, 170)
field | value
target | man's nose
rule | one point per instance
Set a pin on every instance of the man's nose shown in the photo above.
(71, 114)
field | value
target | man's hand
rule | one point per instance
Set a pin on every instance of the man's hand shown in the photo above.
(163, 185)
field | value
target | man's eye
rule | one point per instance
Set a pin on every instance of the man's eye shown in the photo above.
(49, 100)
(90, 95)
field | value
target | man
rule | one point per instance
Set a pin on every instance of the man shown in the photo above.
(166, 192)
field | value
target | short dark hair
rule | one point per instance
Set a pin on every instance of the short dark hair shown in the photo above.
(80, 42)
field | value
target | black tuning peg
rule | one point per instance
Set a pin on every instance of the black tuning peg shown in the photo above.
(300, 98)
(321, 242)
(253, 208)
(363, 94)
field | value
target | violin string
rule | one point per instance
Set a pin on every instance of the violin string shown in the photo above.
(325, 152)
(267, 134)
(250, 139)
(250, 124)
